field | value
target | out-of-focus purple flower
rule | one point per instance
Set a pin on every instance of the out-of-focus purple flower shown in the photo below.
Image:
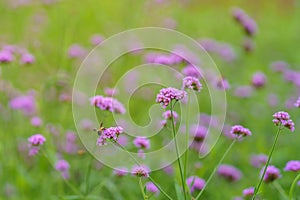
(169, 23)
(229, 172)
(111, 91)
(191, 83)
(140, 171)
(195, 183)
(273, 100)
(248, 192)
(167, 115)
(248, 45)
(238, 14)
(86, 124)
(123, 140)
(108, 103)
(6, 56)
(198, 132)
(96, 39)
(141, 142)
(166, 95)
(191, 70)
(239, 130)
(258, 160)
(292, 165)
(297, 104)
(222, 84)
(120, 171)
(76, 51)
(141, 154)
(283, 118)
(272, 173)
(279, 66)
(150, 187)
(27, 58)
(111, 133)
(25, 103)
(169, 169)
(36, 121)
(35, 141)
(258, 80)
(63, 166)
(226, 52)
(250, 26)
(243, 91)
(70, 145)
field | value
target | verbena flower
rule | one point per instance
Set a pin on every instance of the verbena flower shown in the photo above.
(297, 104)
(35, 141)
(239, 130)
(25, 103)
(258, 160)
(6, 56)
(195, 183)
(229, 172)
(142, 142)
(36, 121)
(272, 173)
(192, 71)
(198, 132)
(120, 171)
(111, 133)
(248, 192)
(150, 187)
(27, 58)
(108, 103)
(283, 118)
(192, 83)
(293, 165)
(258, 80)
(63, 166)
(166, 95)
(140, 171)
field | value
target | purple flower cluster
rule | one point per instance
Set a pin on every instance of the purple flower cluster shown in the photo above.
(35, 141)
(63, 166)
(25, 103)
(245, 21)
(142, 142)
(222, 84)
(229, 172)
(150, 187)
(258, 80)
(192, 83)
(76, 51)
(111, 133)
(120, 171)
(258, 160)
(248, 192)
(140, 171)
(293, 165)
(198, 132)
(239, 130)
(166, 95)
(283, 118)
(164, 59)
(297, 104)
(195, 183)
(191, 70)
(108, 103)
(272, 173)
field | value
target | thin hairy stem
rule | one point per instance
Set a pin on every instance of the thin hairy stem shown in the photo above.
(292, 188)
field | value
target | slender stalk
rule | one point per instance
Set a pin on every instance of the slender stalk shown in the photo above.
(215, 169)
(268, 162)
(177, 153)
(142, 188)
(87, 177)
(280, 190)
(160, 189)
(292, 188)
(186, 138)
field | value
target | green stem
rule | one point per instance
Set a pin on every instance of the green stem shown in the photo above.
(280, 190)
(215, 169)
(160, 189)
(87, 177)
(177, 153)
(267, 164)
(293, 187)
(142, 188)
(186, 139)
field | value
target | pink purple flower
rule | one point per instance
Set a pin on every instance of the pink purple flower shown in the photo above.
(35, 141)
(222, 84)
(293, 165)
(198, 132)
(279, 66)
(120, 171)
(36, 121)
(244, 91)
(283, 118)
(191, 70)
(272, 173)
(142, 142)
(229, 172)
(6, 56)
(258, 160)
(111, 133)
(70, 145)
(76, 51)
(167, 115)
(25, 103)
(150, 187)
(63, 166)
(195, 183)
(27, 58)
(108, 103)
(258, 79)
(192, 83)
(239, 130)
(140, 171)
(248, 192)
(96, 39)
(167, 95)
(297, 104)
